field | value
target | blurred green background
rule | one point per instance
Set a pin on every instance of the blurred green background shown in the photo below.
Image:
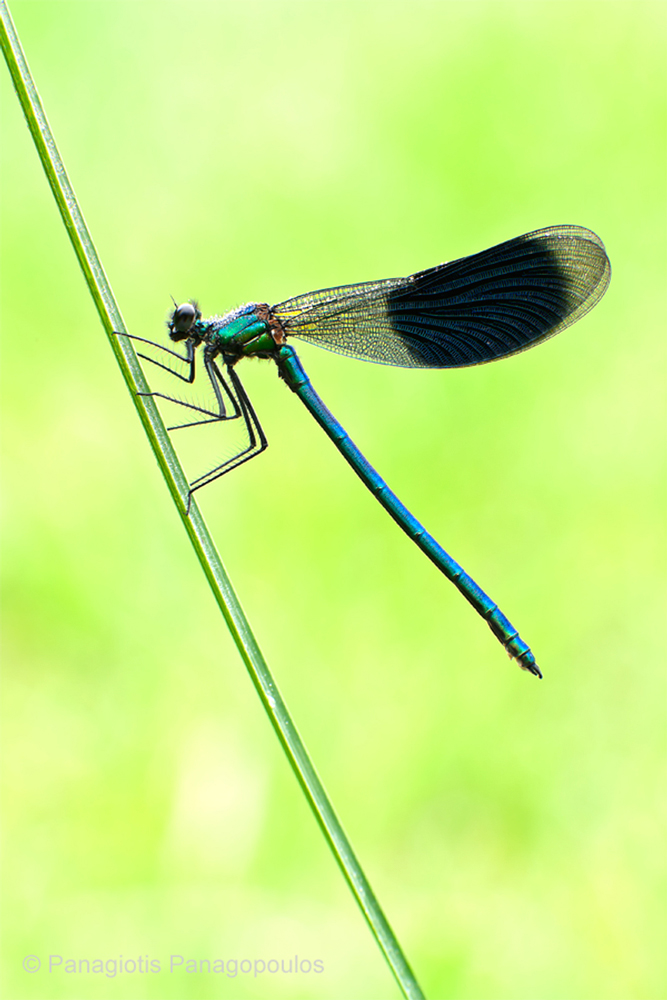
(512, 829)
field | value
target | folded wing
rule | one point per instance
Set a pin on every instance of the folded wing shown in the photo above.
(465, 312)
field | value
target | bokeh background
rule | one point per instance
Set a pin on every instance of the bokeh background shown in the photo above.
(512, 829)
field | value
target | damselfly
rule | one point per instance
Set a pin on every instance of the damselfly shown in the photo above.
(466, 312)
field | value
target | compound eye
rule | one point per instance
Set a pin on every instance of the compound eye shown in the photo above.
(182, 320)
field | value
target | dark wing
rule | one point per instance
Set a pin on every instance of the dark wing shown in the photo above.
(466, 312)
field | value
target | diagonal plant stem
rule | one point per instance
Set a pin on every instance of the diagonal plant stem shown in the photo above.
(190, 515)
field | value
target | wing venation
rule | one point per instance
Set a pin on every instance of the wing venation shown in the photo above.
(465, 312)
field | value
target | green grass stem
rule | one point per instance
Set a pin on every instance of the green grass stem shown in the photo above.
(193, 521)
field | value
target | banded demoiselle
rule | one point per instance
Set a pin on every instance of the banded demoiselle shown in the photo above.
(465, 312)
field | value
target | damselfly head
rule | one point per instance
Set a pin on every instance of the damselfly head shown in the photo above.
(182, 320)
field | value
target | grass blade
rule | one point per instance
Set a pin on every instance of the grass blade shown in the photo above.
(193, 522)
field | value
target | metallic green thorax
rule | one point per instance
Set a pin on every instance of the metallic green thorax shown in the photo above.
(251, 332)
(245, 332)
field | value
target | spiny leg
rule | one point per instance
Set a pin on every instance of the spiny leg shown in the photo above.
(256, 438)
(189, 359)
(220, 390)
(216, 379)
(236, 395)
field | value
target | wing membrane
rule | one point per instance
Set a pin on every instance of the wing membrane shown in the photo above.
(465, 312)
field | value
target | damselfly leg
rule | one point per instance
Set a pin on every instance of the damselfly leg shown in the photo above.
(189, 358)
(256, 437)
(220, 388)
(229, 402)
